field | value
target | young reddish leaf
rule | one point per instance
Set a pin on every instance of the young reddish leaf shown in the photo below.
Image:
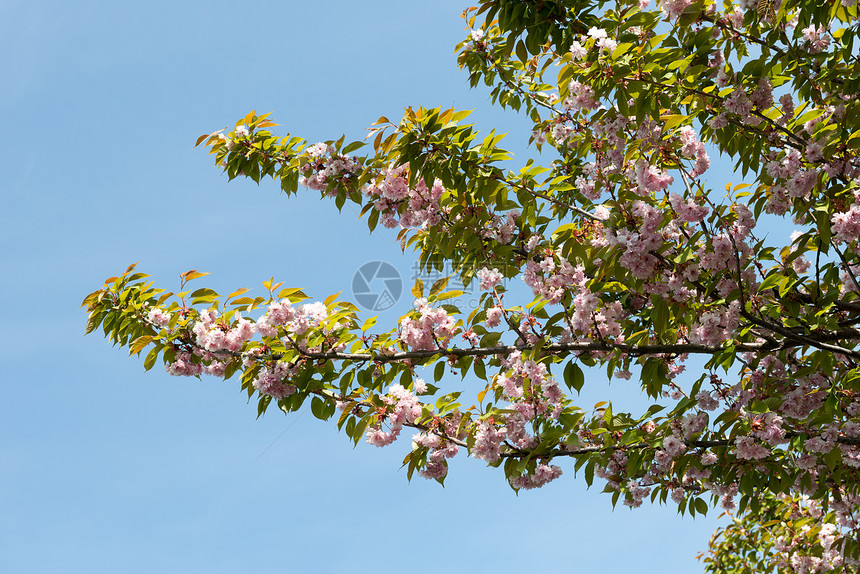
(201, 138)
(237, 292)
(193, 274)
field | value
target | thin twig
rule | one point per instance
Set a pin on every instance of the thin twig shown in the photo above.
(847, 266)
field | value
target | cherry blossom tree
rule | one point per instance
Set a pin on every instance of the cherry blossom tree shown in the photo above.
(635, 266)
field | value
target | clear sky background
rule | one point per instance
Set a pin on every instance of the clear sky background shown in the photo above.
(106, 468)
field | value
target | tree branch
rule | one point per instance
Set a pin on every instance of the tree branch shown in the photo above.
(581, 347)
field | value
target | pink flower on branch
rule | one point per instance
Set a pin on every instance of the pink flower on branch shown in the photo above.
(489, 278)
(431, 329)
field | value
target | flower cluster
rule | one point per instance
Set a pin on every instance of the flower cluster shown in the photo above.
(502, 229)
(846, 225)
(716, 326)
(791, 180)
(489, 278)
(273, 380)
(534, 396)
(639, 244)
(402, 407)
(281, 314)
(691, 147)
(581, 97)
(674, 8)
(212, 335)
(543, 474)
(184, 365)
(810, 548)
(325, 168)
(553, 276)
(158, 317)
(440, 449)
(816, 39)
(400, 204)
(431, 329)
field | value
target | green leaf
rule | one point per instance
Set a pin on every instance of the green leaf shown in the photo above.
(589, 473)
(203, 296)
(94, 321)
(318, 408)
(151, 357)
(352, 147)
(439, 372)
(437, 286)
(771, 281)
(574, 378)
(480, 369)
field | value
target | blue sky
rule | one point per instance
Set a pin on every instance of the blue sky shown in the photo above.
(106, 468)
